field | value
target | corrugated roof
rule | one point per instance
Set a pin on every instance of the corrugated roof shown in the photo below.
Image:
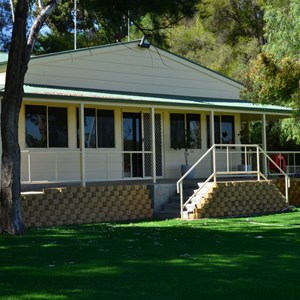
(68, 95)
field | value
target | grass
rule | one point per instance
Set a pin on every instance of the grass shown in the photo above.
(255, 258)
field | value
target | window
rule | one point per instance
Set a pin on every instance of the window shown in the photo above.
(105, 128)
(58, 127)
(36, 126)
(185, 131)
(224, 130)
(89, 128)
(46, 126)
(99, 128)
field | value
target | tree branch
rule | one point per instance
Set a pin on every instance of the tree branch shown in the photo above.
(41, 4)
(12, 11)
(44, 13)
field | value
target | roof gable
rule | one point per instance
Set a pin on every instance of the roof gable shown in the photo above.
(130, 68)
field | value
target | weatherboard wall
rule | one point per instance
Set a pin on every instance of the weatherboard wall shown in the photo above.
(132, 69)
(64, 164)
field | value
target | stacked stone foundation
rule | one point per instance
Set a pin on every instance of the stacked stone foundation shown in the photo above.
(76, 205)
(294, 190)
(234, 199)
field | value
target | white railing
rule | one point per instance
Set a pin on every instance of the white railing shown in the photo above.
(291, 161)
(49, 166)
(252, 162)
(65, 165)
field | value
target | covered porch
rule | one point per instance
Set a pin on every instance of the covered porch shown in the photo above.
(141, 147)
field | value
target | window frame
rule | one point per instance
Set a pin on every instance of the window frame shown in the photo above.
(180, 131)
(99, 143)
(48, 142)
(220, 120)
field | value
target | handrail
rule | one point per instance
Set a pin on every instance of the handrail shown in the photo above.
(197, 192)
(291, 158)
(193, 167)
(179, 183)
(214, 173)
(287, 178)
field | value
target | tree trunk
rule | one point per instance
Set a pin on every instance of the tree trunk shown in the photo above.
(18, 59)
(11, 207)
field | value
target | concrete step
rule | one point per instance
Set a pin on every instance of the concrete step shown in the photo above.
(190, 207)
(176, 199)
(171, 206)
(167, 214)
(196, 199)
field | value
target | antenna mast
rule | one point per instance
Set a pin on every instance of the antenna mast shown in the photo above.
(75, 24)
(128, 26)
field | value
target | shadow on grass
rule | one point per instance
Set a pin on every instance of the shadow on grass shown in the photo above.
(215, 259)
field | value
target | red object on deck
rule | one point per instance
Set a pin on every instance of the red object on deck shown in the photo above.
(279, 159)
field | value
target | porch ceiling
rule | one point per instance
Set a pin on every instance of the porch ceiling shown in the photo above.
(246, 117)
(116, 97)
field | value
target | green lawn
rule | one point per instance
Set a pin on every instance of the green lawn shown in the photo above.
(255, 258)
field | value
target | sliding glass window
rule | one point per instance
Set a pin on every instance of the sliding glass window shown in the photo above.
(99, 128)
(46, 126)
(224, 130)
(185, 131)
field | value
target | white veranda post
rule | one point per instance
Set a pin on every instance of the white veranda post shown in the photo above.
(153, 144)
(82, 147)
(212, 137)
(264, 143)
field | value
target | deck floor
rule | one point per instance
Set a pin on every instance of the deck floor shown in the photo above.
(38, 186)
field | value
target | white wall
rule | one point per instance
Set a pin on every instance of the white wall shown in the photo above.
(105, 164)
(130, 68)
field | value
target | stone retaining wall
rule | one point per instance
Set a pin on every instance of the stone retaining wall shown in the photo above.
(75, 205)
(240, 198)
(294, 190)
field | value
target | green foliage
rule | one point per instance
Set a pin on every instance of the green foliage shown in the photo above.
(274, 77)
(102, 22)
(292, 130)
(283, 30)
(281, 135)
(224, 36)
(274, 81)
(232, 19)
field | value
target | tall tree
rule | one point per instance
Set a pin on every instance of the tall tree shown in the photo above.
(274, 77)
(224, 36)
(102, 22)
(21, 47)
(19, 55)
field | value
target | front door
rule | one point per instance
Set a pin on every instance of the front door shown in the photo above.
(132, 145)
(137, 146)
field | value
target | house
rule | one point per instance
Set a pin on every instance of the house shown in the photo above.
(132, 105)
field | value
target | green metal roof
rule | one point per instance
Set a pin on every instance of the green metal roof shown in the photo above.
(114, 97)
